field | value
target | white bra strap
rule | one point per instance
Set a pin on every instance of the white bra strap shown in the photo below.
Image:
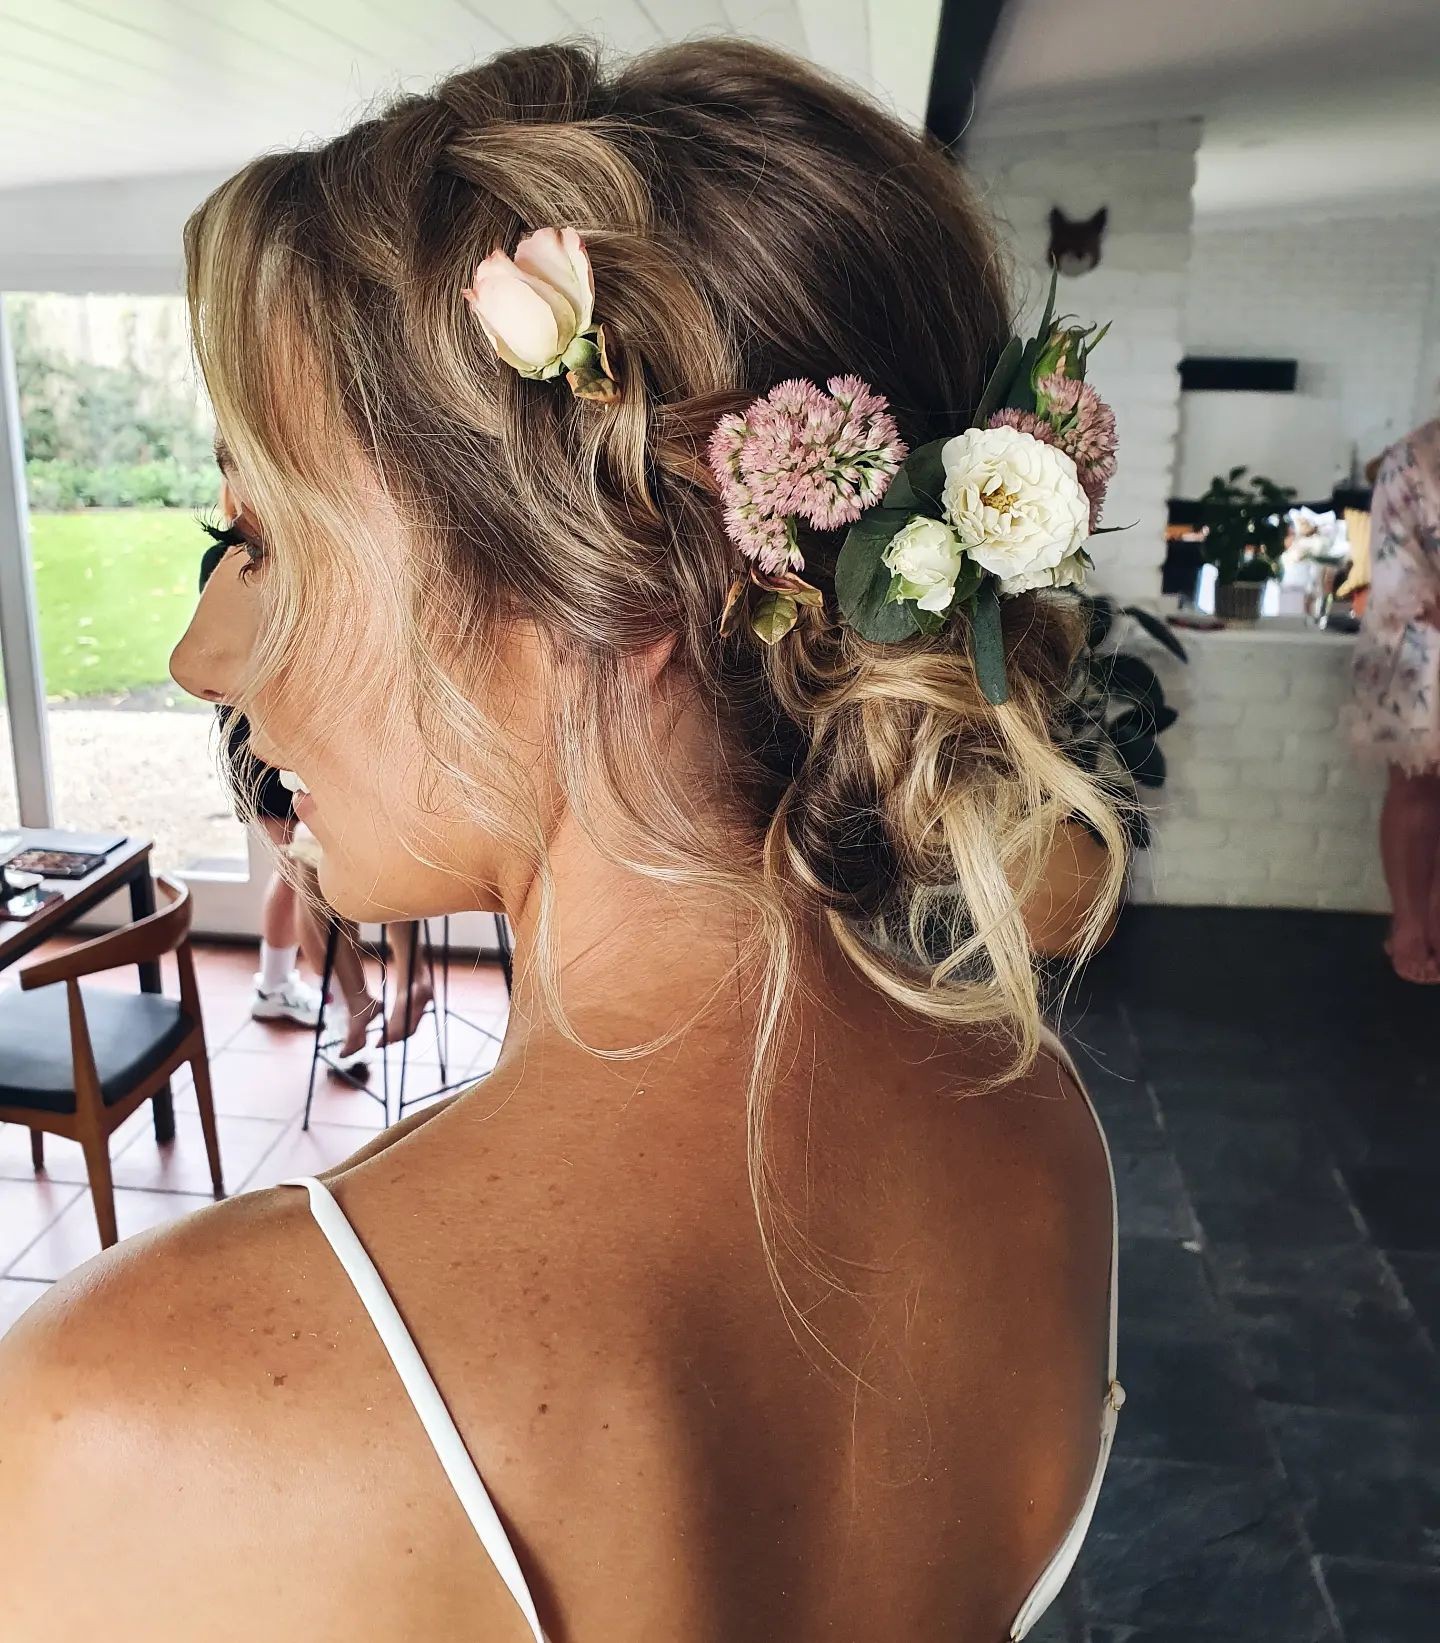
(439, 1427)
(1059, 1568)
(1063, 1056)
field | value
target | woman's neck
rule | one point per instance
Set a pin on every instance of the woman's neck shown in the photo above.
(632, 957)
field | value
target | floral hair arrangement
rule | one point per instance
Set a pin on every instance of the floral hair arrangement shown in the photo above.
(1001, 508)
(1004, 507)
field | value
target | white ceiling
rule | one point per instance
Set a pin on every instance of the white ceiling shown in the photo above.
(1307, 103)
(129, 88)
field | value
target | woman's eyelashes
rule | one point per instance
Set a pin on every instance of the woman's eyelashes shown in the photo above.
(233, 536)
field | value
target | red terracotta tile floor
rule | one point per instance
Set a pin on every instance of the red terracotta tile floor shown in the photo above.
(259, 1071)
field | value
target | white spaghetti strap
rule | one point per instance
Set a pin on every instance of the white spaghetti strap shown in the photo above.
(424, 1394)
(465, 1478)
(1057, 1571)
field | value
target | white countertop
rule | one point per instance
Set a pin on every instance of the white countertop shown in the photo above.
(1289, 630)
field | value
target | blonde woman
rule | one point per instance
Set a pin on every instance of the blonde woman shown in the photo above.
(764, 1290)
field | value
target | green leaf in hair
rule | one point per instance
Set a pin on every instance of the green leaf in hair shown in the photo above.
(988, 643)
(1002, 378)
(773, 617)
(863, 580)
(919, 487)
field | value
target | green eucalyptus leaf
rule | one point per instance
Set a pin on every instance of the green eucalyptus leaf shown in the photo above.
(967, 583)
(773, 617)
(863, 580)
(988, 644)
(931, 621)
(919, 487)
(1002, 379)
(1047, 319)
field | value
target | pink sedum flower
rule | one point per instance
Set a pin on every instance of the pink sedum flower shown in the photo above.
(1084, 428)
(800, 453)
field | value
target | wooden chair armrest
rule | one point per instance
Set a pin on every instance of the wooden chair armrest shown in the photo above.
(148, 938)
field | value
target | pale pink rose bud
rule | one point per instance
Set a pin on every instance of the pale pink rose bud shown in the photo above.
(557, 258)
(533, 308)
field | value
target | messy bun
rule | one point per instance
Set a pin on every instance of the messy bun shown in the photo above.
(748, 220)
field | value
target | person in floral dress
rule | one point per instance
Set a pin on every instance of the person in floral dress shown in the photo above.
(1397, 692)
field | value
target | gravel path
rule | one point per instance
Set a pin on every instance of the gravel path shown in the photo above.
(138, 772)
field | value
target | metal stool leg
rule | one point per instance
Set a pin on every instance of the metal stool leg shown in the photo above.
(502, 937)
(384, 1017)
(415, 939)
(332, 940)
(440, 995)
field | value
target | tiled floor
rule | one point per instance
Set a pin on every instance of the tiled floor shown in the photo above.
(1272, 1098)
(259, 1072)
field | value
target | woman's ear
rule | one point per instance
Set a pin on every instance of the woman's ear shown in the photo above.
(651, 662)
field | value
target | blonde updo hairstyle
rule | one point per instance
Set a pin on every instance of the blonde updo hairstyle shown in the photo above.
(748, 220)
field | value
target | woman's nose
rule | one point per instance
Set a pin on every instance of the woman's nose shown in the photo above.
(193, 666)
(209, 660)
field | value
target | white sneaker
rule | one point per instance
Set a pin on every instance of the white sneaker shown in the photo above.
(296, 1001)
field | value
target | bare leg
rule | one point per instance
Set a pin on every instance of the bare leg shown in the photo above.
(404, 942)
(310, 928)
(1409, 841)
(354, 988)
(278, 922)
(348, 970)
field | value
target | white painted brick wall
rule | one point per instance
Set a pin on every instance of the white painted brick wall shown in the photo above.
(1144, 173)
(1355, 301)
(1265, 805)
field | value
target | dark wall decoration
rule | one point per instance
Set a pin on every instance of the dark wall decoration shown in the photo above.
(1075, 246)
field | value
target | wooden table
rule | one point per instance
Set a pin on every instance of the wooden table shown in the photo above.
(127, 865)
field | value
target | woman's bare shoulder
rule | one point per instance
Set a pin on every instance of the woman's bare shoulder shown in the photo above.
(216, 1389)
(221, 1301)
(169, 1292)
(127, 1394)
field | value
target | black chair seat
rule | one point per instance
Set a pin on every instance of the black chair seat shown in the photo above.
(131, 1033)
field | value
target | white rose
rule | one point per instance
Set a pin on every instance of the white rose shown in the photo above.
(1016, 503)
(1069, 573)
(927, 556)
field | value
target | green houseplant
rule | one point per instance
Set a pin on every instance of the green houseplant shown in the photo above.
(1115, 707)
(1244, 519)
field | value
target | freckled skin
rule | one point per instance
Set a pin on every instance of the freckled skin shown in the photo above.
(202, 1438)
(669, 1462)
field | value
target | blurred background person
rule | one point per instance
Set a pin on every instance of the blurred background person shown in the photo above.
(1397, 691)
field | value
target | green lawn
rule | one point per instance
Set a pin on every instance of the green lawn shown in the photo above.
(114, 588)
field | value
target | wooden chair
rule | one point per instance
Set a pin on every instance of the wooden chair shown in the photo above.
(78, 1063)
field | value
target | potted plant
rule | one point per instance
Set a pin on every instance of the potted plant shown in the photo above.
(1244, 538)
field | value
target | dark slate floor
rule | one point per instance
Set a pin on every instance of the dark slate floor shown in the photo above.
(1272, 1097)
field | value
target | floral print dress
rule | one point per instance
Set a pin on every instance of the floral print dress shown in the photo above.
(1397, 659)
